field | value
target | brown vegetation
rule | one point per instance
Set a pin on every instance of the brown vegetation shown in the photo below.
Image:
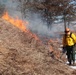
(20, 54)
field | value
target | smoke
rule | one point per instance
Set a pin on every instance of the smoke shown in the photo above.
(36, 24)
(40, 27)
(12, 6)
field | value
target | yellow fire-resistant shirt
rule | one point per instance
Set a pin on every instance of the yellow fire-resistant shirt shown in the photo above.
(69, 40)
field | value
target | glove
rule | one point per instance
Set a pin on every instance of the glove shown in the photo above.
(64, 49)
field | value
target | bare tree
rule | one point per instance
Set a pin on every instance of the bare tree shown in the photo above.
(51, 8)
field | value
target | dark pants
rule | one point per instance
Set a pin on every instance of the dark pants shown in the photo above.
(70, 54)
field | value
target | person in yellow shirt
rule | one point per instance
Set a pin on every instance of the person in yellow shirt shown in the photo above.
(69, 40)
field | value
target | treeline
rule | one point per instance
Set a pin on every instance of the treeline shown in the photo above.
(52, 8)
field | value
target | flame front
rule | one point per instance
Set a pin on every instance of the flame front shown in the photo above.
(18, 23)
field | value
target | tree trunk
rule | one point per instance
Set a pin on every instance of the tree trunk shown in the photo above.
(64, 22)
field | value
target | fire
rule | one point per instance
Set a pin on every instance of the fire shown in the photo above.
(51, 49)
(34, 36)
(20, 24)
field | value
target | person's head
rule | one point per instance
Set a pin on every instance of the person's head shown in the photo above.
(67, 31)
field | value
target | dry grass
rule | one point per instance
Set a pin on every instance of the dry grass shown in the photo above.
(20, 54)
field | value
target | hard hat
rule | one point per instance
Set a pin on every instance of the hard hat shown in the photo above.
(67, 29)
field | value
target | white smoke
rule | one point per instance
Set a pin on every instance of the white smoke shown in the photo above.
(12, 6)
(35, 20)
(37, 25)
(41, 28)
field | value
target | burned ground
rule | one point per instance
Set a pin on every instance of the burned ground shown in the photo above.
(21, 54)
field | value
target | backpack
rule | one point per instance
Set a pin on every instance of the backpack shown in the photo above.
(71, 36)
(74, 47)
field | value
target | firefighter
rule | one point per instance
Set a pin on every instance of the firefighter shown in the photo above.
(69, 40)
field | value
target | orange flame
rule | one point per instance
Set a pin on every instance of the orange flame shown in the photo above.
(35, 36)
(20, 24)
(51, 49)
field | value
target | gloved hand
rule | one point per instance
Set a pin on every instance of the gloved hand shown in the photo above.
(63, 49)
(75, 44)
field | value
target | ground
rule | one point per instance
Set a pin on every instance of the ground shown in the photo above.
(21, 54)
